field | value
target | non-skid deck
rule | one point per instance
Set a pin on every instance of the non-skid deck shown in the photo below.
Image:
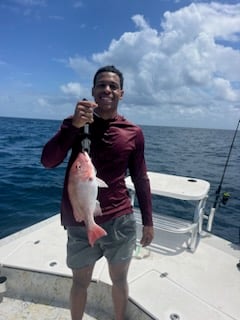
(13, 309)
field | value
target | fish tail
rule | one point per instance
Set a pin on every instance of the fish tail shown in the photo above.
(94, 233)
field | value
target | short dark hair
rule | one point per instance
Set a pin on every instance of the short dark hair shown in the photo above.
(109, 69)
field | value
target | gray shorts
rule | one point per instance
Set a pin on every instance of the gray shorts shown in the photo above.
(117, 246)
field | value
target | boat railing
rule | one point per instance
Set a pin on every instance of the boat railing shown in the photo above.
(181, 188)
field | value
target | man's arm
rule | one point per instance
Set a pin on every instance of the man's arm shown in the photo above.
(138, 172)
(56, 149)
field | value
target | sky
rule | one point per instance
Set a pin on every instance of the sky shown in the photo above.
(180, 59)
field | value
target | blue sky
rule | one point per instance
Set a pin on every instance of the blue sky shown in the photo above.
(180, 59)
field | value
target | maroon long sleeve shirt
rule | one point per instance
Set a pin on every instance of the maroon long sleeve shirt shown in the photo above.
(117, 146)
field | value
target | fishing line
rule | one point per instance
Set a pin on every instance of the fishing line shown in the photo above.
(218, 192)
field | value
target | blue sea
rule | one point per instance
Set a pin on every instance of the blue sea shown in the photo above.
(30, 193)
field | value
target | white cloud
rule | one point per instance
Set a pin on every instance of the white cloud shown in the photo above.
(72, 88)
(43, 102)
(187, 67)
(82, 66)
(221, 20)
(78, 4)
(224, 90)
(140, 21)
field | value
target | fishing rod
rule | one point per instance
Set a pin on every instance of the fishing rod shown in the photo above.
(218, 192)
(86, 141)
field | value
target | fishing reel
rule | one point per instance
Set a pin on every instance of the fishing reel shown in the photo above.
(225, 197)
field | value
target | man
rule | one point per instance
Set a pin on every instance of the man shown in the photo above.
(116, 146)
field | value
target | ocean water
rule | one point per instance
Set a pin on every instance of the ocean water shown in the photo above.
(30, 193)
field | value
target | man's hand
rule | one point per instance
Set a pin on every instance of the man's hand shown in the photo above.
(147, 235)
(83, 113)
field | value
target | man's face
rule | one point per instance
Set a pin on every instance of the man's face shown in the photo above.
(107, 91)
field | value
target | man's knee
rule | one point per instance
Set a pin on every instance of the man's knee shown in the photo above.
(82, 277)
(118, 273)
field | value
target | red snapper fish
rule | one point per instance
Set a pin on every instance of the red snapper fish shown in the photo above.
(83, 189)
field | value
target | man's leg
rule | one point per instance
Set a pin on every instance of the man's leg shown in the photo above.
(118, 273)
(78, 295)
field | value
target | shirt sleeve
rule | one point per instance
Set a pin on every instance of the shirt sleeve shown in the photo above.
(138, 173)
(56, 149)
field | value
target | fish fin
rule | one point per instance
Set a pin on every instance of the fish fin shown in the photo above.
(96, 232)
(98, 210)
(101, 183)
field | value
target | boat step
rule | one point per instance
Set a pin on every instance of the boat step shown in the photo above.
(173, 225)
(170, 224)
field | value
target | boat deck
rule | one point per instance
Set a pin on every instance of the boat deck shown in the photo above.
(166, 280)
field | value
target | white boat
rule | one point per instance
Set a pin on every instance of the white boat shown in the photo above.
(187, 273)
